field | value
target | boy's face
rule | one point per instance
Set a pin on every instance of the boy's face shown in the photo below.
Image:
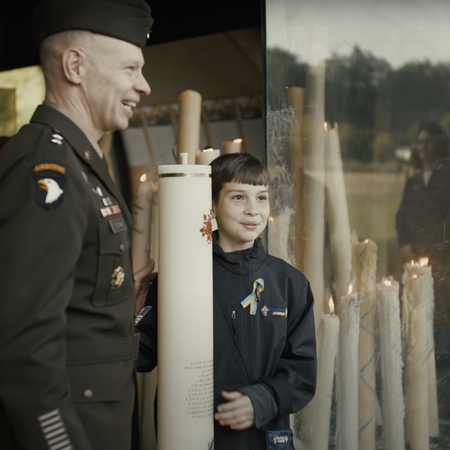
(241, 213)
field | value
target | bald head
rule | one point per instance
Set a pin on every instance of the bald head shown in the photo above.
(53, 48)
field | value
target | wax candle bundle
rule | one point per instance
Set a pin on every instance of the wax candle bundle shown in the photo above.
(189, 124)
(348, 373)
(206, 156)
(337, 211)
(421, 267)
(314, 144)
(365, 266)
(327, 351)
(185, 349)
(141, 212)
(388, 306)
(233, 146)
(416, 366)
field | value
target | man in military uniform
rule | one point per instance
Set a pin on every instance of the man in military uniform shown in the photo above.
(67, 294)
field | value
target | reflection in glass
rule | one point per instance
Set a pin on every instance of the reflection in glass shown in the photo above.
(358, 119)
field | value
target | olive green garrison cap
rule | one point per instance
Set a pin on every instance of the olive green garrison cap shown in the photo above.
(128, 20)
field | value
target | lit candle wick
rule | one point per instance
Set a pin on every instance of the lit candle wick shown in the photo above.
(331, 306)
(350, 289)
(423, 262)
(143, 178)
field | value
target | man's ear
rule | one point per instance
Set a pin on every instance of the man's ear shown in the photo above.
(213, 211)
(72, 61)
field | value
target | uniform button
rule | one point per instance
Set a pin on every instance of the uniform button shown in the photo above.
(122, 248)
(88, 393)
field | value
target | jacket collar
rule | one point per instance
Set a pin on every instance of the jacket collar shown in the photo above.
(240, 261)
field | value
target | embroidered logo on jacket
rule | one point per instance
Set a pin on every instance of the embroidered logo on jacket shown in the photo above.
(270, 311)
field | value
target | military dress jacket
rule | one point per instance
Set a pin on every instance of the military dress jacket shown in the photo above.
(67, 294)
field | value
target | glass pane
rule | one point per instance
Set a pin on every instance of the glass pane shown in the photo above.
(358, 119)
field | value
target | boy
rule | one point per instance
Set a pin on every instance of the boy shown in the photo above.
(264, 339)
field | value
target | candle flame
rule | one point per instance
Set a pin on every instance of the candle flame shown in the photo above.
(350, 289)
(414, 277)
(325, 126)
(237, 141)
(271, 219)
(143, 178)
(331, 305)
(366, 241)
(387, 282)
(412, 262)
(423, 261)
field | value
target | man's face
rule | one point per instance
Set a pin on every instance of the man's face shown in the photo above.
(241, 213)
(112, 82)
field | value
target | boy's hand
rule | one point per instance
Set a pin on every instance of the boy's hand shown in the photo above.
(238, 413)
(142, 280)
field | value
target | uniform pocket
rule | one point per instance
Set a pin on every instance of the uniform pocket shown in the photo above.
(101, 382)
(112, 264)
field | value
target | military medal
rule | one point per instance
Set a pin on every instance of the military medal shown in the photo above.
(106, 201)
(117, 278)
(110, 210)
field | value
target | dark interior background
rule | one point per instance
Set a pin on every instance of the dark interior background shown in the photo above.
(173, 21)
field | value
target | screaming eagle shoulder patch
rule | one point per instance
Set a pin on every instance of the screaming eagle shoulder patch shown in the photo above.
(49, 179)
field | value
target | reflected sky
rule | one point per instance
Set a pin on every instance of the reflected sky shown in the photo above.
(398, 31)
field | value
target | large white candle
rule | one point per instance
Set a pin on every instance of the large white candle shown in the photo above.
(140, 249)
(149, 381)
(365, 266)
(422, 267)
(296, 98)
(388, 304)
(416, 367)
(314, 185)
(206, 156)
(327, 350)
(185, 349)
(348, 372)
(233, 146)
(189, 124)
(337, 209)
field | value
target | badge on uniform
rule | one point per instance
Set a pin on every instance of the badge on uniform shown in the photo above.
(50, 179)
(117, 278)
(110, 210)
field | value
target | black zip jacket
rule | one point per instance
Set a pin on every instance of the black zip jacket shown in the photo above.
(269, 356)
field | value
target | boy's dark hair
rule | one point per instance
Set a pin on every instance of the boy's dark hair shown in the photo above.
(238, 168)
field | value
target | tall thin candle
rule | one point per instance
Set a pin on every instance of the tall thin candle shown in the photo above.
(391, 363)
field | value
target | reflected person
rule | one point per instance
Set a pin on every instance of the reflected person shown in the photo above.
(423, 230)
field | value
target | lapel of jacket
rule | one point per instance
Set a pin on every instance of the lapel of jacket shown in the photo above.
(62, 125)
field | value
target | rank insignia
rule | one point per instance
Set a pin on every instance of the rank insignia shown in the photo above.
(110, 210)
(106, 201)
(49, 180)
(117, 278)
(57, 139)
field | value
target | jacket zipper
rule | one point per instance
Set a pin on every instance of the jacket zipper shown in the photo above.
(233, 321)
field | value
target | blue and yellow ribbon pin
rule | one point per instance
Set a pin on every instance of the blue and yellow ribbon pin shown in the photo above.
(253, 298)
